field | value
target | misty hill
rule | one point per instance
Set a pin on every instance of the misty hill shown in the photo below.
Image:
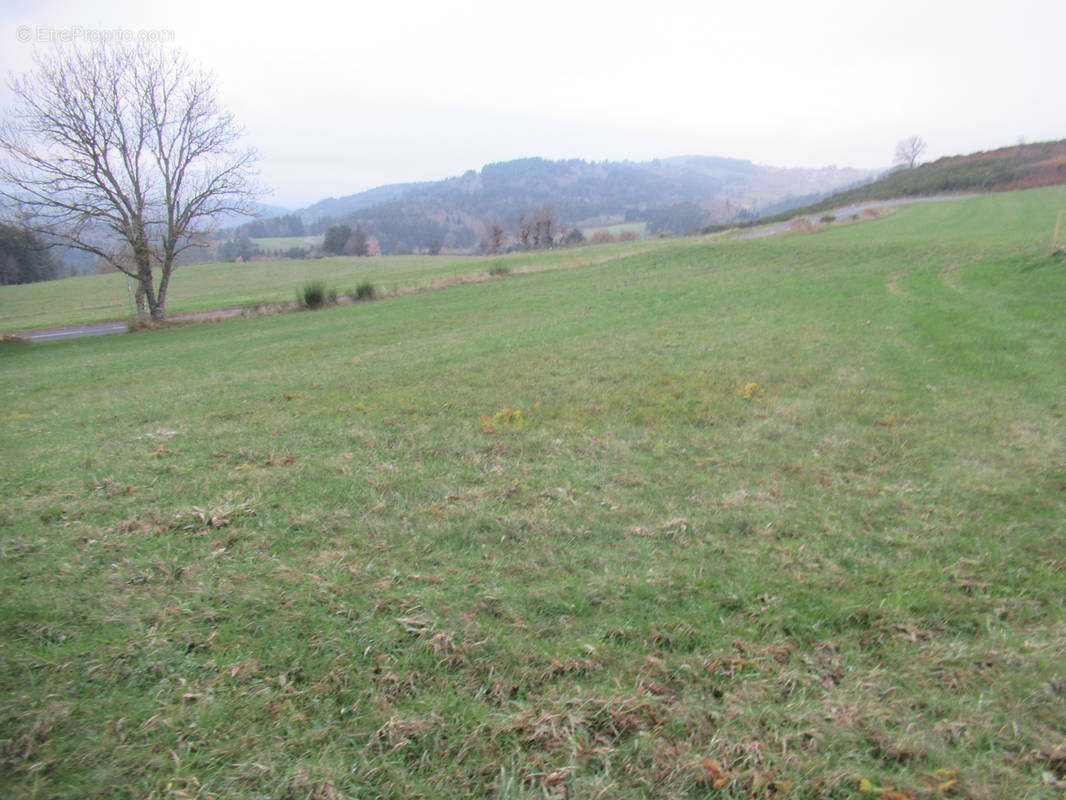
(1024, 166)
(670, 195)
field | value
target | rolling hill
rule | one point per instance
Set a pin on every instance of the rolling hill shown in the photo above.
(1024, 166)
(672, 195)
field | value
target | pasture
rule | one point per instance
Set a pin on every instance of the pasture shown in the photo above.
(272, 243)
(205, 287)
(767, 518)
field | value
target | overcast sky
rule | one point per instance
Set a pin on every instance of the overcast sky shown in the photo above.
(342, 98)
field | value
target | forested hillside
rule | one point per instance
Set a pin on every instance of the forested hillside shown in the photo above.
(672, 195)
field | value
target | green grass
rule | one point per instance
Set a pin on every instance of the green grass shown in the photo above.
(271, 243)
(639, 228)
(769, 518)
(200, 287)
(1015, 167)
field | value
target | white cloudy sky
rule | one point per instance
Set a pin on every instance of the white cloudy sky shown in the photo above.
(344, 97)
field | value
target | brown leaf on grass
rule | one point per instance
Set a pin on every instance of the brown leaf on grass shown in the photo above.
(306, 789)
(218, 517)
(710, 771)
(26, 746)
(210, 518)
(401, 731)
(415, 624)
(553, 783)
(1056, 758)
(442, 641)
(284, 461)
(911, 633)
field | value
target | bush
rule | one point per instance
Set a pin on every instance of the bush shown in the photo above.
(365, 291)
(574, 238)
(827, 219)
(313, 295)
(499, 270)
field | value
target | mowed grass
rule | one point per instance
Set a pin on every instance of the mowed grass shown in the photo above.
(773, 518)
(204, 287)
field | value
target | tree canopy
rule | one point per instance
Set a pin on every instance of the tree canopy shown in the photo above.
(123, 152)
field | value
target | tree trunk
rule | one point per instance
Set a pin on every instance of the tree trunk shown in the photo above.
(144, 278)
(142, 306)
(159, 312)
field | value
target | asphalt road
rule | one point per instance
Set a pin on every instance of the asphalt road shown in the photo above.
(105, 328)
(74, 332)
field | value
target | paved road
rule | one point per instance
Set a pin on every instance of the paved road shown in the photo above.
(105, 328)
(74, 332)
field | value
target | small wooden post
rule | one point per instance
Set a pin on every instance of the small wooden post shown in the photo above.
(1055, 238)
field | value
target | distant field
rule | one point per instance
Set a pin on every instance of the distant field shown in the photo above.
(746, 519)
(198, 287)
(639, 228)
(273, 243)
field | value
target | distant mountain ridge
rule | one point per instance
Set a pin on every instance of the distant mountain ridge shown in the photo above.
(670, 195)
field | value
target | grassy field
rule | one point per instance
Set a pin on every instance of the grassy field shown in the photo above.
(772, 518)
(272, 243)
(200, 287)
(639, 228)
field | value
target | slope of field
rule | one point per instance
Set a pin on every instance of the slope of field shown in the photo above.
(1006, 169)
(772, 518)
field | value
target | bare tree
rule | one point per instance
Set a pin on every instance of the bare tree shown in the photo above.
(543, 221)
(497, 230)
(525, 228)
(909, 150)
(123, 152)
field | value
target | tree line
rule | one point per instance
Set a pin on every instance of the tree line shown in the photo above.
(25, 259)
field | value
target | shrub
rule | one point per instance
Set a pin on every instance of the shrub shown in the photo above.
(499, 270)
(827, 219)
(313, 294)
(365, 291)
(573, 238)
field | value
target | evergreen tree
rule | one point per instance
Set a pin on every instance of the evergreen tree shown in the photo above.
(336, 238)
(23, 259)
